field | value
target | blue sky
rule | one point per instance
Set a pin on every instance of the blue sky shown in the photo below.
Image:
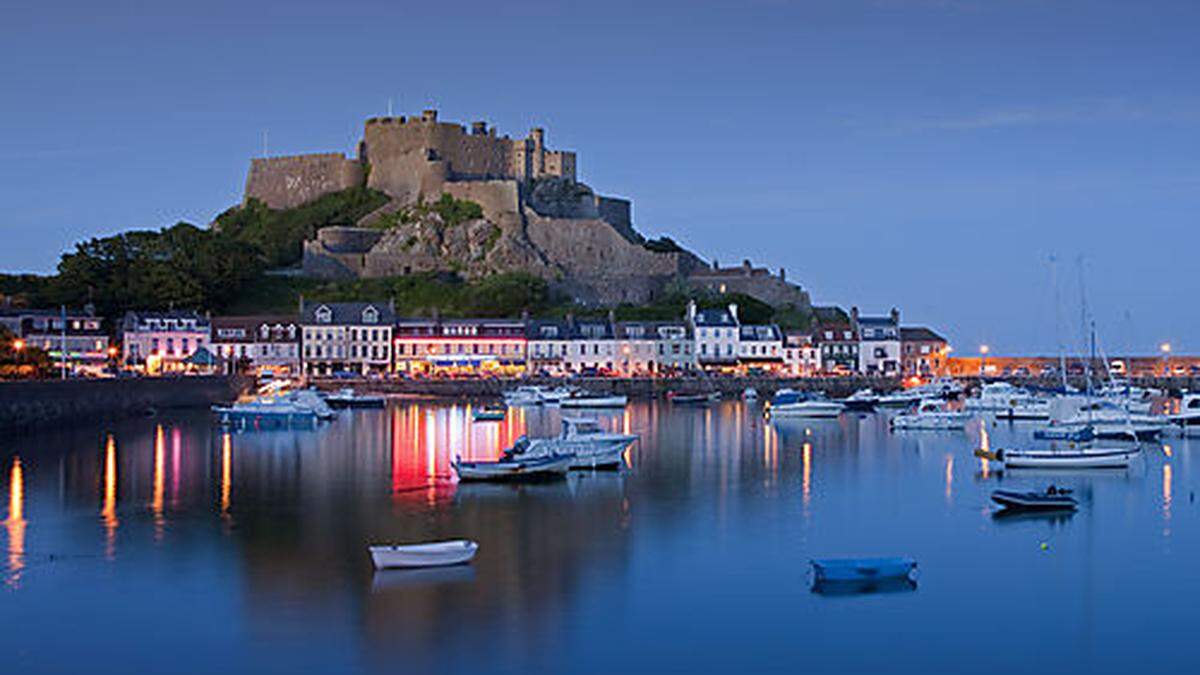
(929, 154)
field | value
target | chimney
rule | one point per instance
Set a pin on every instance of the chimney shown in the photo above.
(782, 274)
(733, 311)
(691, 311)
(612, 317)
(854, 318)
(895, 316)
(525, 316)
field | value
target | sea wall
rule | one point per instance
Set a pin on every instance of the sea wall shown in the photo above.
(27, 404)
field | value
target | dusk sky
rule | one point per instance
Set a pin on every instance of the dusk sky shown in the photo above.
(926, 154)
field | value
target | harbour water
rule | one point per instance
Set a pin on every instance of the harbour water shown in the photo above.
(165, 545)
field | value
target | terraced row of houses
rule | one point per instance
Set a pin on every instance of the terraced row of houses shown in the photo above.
(368, 338)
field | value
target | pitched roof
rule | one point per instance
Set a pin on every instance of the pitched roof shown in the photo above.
(760, 333)
(714, 317)
(919, 334)
(347, 313)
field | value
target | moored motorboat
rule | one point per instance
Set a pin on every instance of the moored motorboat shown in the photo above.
(694, 399)
(930, 415)
(791, 403)
(1052, 498)
(594, 402)
(348, 398)
(863, 569)
(434, 554)
(584, 439)
(863, 400)
(901, 398)
(543, 467)
(264, 413)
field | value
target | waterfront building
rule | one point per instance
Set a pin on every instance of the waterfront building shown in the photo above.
(879, 343)
(460, 346)
(163, 342)
(74, 334)
(760, 347)
(801, 355)
(923, 352)
(593, 347)
(716, 336)
(346, 337)
(648, 348)
(548, 341)
(837, 342)
(264, 344)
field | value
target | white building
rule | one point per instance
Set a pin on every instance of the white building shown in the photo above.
(879, 343)
(163, 341)
(716, 336)
(760, 347)
(648, 348)
(354, 337)
(593, 347)
(261, 343)
(801, 355)
(547, 344)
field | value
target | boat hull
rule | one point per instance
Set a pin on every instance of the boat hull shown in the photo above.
(534, 469)
(806, 409)
(595, 402)
(844, 570)
(1050, 459)
(1031, 501)
(440, 554)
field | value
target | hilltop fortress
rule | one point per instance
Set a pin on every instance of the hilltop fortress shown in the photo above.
(535, 216)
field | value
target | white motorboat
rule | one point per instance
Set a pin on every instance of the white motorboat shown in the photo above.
(264, 412)
(995, 397)
(594, 402)
(584, 439)
(1071, 457)
(544, 467)
(694, 399)
(930, 415)
(791, 403)
(1029, 409)
(435, 554)
(310, 399)
(348, 398)
(863, 400)
(526, 395)
(942, 387)
(1188, 418)
(901, 398)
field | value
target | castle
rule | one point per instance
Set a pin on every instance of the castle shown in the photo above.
(536, 216)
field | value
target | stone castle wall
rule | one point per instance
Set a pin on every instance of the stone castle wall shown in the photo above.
(287, 182)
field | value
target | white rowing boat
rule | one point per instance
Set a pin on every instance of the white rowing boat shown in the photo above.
(434, 554)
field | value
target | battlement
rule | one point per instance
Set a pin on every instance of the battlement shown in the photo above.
(289, 181)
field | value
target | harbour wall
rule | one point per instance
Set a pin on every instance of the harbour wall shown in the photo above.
(29, 404)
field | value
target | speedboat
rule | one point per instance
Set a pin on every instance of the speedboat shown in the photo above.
(583, 439)
(942, 387)
(901, 398)
(594, 402)
(524, 396)
(311, 400)
(1028, 409)
(542, 467)
(863, 400)
(998, 397)
(930, 415)
(1074, 456)
(264, 412)
(348, 398)
(434, 554)
(694, 399)
(1052, 499)
(791, 403)
(1188, 417)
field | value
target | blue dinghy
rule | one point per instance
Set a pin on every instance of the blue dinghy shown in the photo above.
(863, 569)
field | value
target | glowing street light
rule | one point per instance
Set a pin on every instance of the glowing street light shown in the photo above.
(1165, 348)
(983, 352)
(18, 345)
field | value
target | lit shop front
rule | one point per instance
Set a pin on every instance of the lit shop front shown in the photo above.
(451, 348)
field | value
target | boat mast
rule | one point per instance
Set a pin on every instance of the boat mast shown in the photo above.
(1062, 352)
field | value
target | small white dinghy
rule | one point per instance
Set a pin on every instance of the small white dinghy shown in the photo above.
(435, 554)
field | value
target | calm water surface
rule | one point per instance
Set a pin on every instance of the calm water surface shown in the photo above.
(165, 545)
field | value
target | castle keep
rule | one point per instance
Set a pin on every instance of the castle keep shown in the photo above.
(536, 216)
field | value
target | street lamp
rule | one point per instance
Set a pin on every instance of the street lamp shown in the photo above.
(983, 352)
(1166, 351)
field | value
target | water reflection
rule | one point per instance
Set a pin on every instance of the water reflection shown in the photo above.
(702, 523)
(15, 524)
